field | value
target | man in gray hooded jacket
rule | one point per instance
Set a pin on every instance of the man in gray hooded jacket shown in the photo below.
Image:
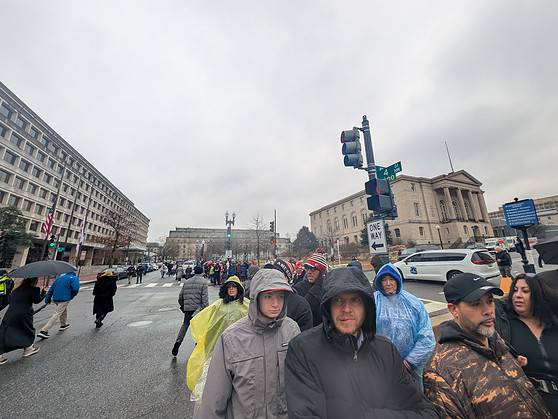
(246, 374)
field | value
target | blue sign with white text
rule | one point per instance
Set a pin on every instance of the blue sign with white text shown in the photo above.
(521, 213)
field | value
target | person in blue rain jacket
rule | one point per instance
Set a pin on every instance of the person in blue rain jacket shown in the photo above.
(402, 318)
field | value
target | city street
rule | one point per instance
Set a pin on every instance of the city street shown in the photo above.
(123, 370)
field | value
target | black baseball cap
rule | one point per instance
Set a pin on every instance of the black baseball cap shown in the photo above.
(468, 287)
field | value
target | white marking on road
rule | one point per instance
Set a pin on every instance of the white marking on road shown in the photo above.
(133, 285)
(85, 288)
(168, 285)
(141, 323)
(153, 284)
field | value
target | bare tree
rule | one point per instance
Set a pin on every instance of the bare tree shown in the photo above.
(169, 250)
(124, 229)
(257, 226)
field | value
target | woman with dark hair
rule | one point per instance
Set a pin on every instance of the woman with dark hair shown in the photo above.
(232, 290)
(531, 330)
(17, 330)
(104, 290)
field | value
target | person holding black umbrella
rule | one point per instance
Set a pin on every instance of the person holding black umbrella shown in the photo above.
(17, 330)
(104, 290)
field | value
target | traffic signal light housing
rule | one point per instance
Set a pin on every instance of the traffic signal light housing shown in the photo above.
(351, 148)
(272, 226)
(379, 199)
(52, 241)
(229, 233)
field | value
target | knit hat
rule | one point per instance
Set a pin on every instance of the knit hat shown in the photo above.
(285, 268)
(317, 261)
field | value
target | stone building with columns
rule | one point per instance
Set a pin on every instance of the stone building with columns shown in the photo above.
(448, 208)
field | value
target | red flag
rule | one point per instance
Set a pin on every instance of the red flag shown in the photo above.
(49, 222)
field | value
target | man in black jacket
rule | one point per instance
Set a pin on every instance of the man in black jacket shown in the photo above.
(504, 261)
(341, 369)
(311, 287)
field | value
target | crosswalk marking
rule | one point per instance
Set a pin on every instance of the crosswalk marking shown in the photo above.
(153, 284)
(149, 285)
(133, 285)
(168, 285)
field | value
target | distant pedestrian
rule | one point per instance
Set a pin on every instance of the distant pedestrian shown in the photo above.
(342, 369)
(139, 274)
(61, 292)
(299, 273)
(402, 318)
(163, 270)
(504, 261)
(520, 248)
(246, 374)
(193, 297)
(6, 287)
(104, 290)
(17, 330)
(249, 275)
(131, 273)
(472, 373)
(354, 263)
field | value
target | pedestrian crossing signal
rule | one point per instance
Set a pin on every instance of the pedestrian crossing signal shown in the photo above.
(51, 242)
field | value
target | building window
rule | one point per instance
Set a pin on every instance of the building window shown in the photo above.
(443, 211)
(2, 195)
(39, 209)
(33, 132)
(457, 210)
(29, 149)
(417, 209)
(37, 172)
(421, 231)
(17, 141)
(355, 220)
(19, 183)
(27, 205)
(6, 110)
(486, 229)
(13, 201)
(3, 131)
(363, 219)
(51, 163)
(32, 188)
(20, 122)
(397, 232)
(336, 224)
(24, 165)
(329, 226)
(43, 193)
(47, 178)
(5, 176)
(10, 157)
(41, 156)
(413, 188)
(345, 223)
(34, 226)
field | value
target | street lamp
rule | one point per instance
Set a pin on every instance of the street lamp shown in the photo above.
(439, 236)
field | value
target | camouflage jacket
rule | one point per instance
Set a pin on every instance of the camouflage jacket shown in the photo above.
(465, 379)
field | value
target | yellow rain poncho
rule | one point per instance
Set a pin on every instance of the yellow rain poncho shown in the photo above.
(205, 328)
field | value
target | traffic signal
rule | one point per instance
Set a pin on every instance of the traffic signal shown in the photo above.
(229, 233)
(380, 200)
(52, 241)
(351, 148)
(272, 226)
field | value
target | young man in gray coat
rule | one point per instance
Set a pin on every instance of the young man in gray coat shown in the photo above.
(192, 297)
(246, 374)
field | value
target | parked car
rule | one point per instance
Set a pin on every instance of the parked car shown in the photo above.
(419, 248)
(121, 272)
(441, 265)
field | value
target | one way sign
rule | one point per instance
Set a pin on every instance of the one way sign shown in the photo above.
(377, 237)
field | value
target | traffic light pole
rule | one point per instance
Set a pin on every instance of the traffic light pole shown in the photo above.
(371, 165)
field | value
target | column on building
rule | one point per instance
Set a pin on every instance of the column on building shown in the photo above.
(20, 257)
(449, 204)
(473, 203)
(461, 202)
(482, 206)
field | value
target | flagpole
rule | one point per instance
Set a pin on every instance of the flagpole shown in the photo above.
(71, 216)
(84, 227)
(53, 209)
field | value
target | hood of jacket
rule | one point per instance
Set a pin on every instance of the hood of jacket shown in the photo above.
(234, 280)
(342, 280)
(252, 271)
(266, 280)
(451, 332)
(391, 270)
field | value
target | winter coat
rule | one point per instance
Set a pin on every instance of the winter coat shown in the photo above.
(542, 353)
(468, 380)
(193, 295)
(403, 319)
(299, 310)
(245, 378)
(313, 294)
(333, 375)
(104, 290)
(17, 330)
(64, 288)
(503, 258)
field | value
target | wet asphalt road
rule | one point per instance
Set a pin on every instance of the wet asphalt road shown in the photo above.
(123, 370)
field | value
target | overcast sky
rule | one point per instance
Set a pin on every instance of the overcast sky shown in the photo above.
(193, 108)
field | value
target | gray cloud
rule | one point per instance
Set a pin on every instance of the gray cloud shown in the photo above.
(193, 108)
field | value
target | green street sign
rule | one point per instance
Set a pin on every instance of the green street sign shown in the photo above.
(388, 172)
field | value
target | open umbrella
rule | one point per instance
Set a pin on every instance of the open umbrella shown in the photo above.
(548, 251)
(43, 268)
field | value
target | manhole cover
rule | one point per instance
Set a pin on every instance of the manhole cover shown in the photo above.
(140, 323)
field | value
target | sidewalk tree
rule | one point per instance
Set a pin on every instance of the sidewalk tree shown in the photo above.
(12, 234)
(258, 227)
(305, 242)
(364, 236)
(123, 230)
(169, 250)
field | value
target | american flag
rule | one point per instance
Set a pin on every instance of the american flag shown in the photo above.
(49, 222)
(81, 236)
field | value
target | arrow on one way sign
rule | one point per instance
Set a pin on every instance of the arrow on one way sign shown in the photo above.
(376, 246)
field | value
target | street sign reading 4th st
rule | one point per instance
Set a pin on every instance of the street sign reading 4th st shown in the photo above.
(377, 237)
(388, 172)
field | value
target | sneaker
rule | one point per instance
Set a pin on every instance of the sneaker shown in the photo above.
(30, 351)
(64, 327)
(43, 335)
(175, 348)
(3, 360)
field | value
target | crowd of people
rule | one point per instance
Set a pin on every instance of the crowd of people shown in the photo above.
(315, 342)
